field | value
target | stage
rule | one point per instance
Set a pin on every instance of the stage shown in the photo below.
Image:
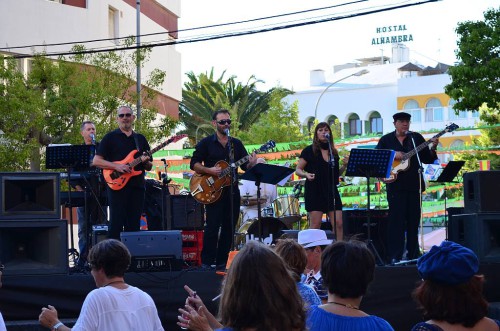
(22, 296)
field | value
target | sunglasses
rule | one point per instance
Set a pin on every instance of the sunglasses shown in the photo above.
(223, 122)
(124, 115)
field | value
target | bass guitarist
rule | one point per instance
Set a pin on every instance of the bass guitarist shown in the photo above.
(207, 153)
(403, 194)
(126, 203)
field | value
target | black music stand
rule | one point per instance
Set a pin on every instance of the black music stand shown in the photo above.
(370, 163)
(446, 176)
(265, 173)
(69, 157)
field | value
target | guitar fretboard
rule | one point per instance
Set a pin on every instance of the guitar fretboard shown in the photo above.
(422, 145)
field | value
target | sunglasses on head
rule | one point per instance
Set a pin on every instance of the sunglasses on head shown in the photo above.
(223, 122)
(124, 115)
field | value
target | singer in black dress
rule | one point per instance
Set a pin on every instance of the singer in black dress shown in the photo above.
(321, 193)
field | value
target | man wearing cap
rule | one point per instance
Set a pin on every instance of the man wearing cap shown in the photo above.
(314, 241)
(403, 194)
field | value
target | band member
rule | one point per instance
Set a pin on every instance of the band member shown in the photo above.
(403, 195)
(207, 153)
(249, 202)
(321, 194)
(126, 203)
(89, 181)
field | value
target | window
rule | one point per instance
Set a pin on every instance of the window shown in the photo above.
(113, 24)
(451, 112)
(354, 125)
(412, 108)
(433, 111)
(376, 125)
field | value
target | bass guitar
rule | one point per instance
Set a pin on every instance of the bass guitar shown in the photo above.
(207, 189)
(117, 180)
(404, 163)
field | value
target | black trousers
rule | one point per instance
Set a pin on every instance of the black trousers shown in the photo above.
(216, 246)
(125, 209)
(404, 220)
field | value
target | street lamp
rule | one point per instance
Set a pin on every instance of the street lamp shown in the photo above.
(359, 73)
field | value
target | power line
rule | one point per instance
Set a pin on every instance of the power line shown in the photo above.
(229, 35)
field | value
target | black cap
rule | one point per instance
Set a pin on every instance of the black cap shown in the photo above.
(401, 116)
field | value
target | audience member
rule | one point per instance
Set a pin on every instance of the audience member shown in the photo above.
(258, 294)
(294, 256)
(347, 269)
(451, 293)
(314, 241)
(114, 305)
(2, 323)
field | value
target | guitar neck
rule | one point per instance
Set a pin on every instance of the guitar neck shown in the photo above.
(422, 146)
(226, 171)
(138, 160)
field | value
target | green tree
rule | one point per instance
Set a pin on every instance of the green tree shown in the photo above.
(204, 94)
(280, 123)
(50, 103)
(476, 78)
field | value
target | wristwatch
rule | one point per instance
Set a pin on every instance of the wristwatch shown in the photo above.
(57, 326)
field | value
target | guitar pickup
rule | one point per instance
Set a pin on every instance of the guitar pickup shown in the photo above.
(210, 181)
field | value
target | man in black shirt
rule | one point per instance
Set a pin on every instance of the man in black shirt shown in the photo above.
(208, 152)
(126, 202)
(403, 194)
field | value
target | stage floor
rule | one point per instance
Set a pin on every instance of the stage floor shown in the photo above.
(22, 296)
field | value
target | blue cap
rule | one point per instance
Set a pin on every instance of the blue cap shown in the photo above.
(448, 263)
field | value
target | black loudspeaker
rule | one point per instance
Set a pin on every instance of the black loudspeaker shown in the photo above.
(479, 232)
(35, 247)
(184, 213)
(355, 223)
(480, 192)
(29, 195)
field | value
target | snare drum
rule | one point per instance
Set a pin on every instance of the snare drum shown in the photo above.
(271, 231)
(287, 209)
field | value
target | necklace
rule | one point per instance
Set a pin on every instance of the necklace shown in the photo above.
(114, 282)
(347, 305)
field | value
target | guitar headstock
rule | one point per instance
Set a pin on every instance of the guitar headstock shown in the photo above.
(452, 127)
(176, 138)
(270, 144)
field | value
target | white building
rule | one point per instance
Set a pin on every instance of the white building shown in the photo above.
(45, 22)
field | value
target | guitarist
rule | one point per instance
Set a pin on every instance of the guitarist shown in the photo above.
(207, 153)
(403, 195)
(126, 204)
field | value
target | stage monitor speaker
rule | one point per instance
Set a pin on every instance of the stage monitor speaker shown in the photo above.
(479, 232)
(480, 189)
(35, 247)
(29, 195)
(184, 213)
(355, 223)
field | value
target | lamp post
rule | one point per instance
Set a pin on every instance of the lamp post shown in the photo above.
(359, 73)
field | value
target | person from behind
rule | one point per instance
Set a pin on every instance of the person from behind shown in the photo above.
(314, 241)
(294, 256)
(258, 294)
(347, 268)
(114, 305)
(451, 291)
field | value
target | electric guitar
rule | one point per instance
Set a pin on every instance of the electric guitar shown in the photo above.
(207, 189)
(117, 180)
(404, 163)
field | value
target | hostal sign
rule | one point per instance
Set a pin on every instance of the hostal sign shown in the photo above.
(391, 34)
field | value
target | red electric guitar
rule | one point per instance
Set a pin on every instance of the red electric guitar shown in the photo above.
(117, 180)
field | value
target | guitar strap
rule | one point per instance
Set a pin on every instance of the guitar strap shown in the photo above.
(136, 141)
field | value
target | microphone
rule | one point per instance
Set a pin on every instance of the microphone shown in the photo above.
(327, 135)
(227, 132)
(92, 137)
(408, 132)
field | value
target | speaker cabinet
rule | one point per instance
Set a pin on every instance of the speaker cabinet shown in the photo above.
(34, 247)
(29, 195)
(355, 223)
(479, 232)
(480, 189)
(184, 213)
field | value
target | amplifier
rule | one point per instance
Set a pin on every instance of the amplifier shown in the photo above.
(99, 233)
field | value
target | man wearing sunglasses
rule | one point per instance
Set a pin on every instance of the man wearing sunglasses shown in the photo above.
(208, 152)
(125, 203)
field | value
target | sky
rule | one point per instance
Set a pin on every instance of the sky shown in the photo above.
(285, 57)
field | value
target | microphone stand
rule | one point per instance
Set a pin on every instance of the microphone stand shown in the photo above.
(420, 171)
(331, 161)
(164, 184)
(231, 187)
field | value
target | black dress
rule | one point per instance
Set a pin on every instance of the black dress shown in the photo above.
(318, 192)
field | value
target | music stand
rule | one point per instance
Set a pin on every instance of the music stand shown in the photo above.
(370, 163)
(446, 176)
(265, 173)
(69, 157)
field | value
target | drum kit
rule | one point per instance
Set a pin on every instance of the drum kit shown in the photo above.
(282, 214)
